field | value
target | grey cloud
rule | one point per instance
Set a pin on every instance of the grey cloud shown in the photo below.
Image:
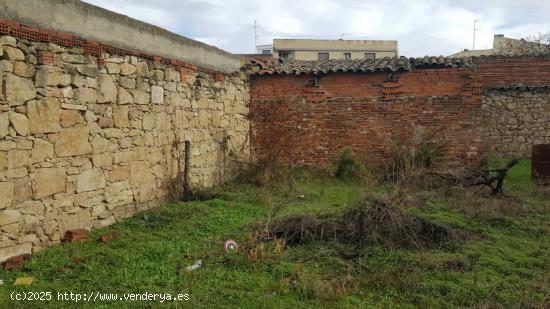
(421, 26)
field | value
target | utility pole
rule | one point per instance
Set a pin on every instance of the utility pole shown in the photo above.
(475, 29)
(255, 35)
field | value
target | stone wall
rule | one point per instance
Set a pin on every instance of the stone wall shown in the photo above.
(516, 118)
(87, 140)
(516, 108)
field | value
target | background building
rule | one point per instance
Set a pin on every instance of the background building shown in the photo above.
(305, 49)
(264, 49)
(507, 46)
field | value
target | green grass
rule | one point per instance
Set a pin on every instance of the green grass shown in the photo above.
(504, 266)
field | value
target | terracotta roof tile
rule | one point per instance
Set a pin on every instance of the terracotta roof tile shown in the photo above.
(272, 66)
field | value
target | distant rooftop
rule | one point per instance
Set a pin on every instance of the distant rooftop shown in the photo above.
(505, 46)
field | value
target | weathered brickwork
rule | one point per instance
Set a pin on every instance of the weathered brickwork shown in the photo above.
(309, 122)
(86, 140)
(505, 71)
(374, 112)
(514, 119)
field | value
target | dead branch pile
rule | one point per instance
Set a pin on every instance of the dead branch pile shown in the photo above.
(491, 178)
(374, 221)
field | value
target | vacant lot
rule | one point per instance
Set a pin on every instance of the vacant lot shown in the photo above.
(501, 261)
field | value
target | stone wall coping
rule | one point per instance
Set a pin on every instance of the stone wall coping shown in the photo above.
(74, 17)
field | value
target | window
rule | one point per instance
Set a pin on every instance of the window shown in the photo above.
(285, 55)
(322, 56)
(266, 52)
(370, 56)
(347, 55)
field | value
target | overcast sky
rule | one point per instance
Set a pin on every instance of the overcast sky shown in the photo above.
(422, 27)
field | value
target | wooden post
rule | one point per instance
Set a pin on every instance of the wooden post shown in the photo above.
(187, 160)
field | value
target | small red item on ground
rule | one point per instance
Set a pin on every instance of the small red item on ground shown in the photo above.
(16, 261)
(76, 235)
(108, 237)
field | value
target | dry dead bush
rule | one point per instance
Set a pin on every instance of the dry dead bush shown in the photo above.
(256, 249)
(406, 166)
(544, 190)
(480, 203)
(175, 188)
(488, 207)
(371, 221)
(273, 139)
(264, 172)
(386, 223)
(407, 198)
(350, 167)
(480, 178)
(312, 286)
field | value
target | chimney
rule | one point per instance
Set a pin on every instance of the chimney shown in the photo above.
(499, 42)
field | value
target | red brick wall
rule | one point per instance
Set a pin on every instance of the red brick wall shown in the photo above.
(370, 113)
(502, 72)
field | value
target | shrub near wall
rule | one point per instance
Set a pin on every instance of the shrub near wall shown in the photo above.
(84, 144)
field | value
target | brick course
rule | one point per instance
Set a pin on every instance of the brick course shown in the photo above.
(503, 72)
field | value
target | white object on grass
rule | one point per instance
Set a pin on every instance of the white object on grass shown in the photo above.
(197, 265)
(230, 245)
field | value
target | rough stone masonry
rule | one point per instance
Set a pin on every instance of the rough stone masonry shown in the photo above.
(515, 118)
(84, 144)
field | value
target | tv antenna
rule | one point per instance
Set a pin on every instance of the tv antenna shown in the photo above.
(255, 35)
(475, 29)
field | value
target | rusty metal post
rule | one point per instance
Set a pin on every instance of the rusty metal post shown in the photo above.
(187, 160)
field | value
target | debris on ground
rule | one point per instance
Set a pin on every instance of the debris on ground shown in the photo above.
(197, 265)
(199, 196)
(76, 235)
(375, 221)
(78, 260)
(108, 237)
(230, 245)
(75, 261)
(63, 269)
(491, 178)
(23, 281)
(16, 261)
